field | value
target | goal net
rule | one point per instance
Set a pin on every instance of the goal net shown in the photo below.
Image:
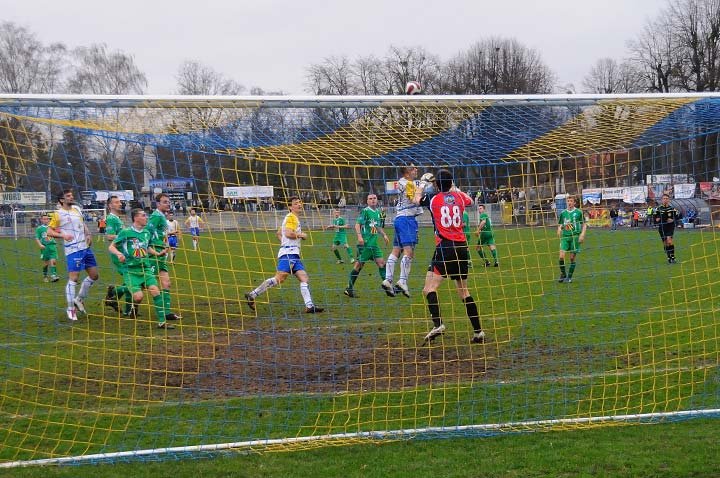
(632, 338)
(26, 221)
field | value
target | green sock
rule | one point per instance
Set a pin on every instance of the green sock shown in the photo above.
(165, 293)
(494, 254)
(382, 271)
(53, 270)
(353, 277)
(337, 254)
(572, 269)
(159, 307)
(482, 253)
(349, 251)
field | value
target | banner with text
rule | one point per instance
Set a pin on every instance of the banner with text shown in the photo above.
(247, 192)
(24, 198)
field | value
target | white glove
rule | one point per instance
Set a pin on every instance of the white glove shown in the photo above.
(423, 184)
(427, 177)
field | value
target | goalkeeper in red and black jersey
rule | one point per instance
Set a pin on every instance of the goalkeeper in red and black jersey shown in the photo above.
(665, 217)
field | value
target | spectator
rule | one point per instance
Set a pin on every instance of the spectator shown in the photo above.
(614, 218)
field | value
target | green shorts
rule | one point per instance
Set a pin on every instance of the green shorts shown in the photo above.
(135, 280)
(369, 253)
(340, 242)
(486, 239)
(48, 254)
(570, 244)
(160, 263)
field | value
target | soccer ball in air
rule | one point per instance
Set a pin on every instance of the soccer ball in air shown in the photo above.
(428, 177)
(413, 88)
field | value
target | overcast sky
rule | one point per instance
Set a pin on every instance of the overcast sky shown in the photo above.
(268, 43)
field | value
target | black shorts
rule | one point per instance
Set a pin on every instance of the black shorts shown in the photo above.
(666, 230)
(450, 260)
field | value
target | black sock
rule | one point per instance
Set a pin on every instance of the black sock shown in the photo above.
(353, 277)
(562, 267)
(671, 251)
(434, 308)
(472, 313)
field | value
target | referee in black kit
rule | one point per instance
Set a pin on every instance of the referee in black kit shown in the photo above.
(665, 217)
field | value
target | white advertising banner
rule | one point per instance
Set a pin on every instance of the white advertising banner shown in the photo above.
(684, 191)
(24, 198)
(612, 193)
(634, 195)
(591, 196)
(247, 192)
(126, 195)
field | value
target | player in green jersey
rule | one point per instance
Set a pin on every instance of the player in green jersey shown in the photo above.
(340, 239)
(113, 226)
(486, 237)
(571, 231)
(132, 248)
(48, 250)
(157, 227)
(369, 224)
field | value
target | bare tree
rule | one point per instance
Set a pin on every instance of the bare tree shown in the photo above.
(102, 72)
(696, 34)
(609, 76)
(26, 65)
(368, 75)
(403, 64)
(680, 49)
(194, 78)
(497, 66)
(331, 77)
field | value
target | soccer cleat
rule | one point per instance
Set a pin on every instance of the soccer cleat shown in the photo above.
(478, 338)
(313, 310)
(568, 280)
(339, 261)
(434, 333)
(165, 325)
(496, 265)
(71, 315)
(561, 279)
(172, 316)
(487, 263)
(403, 288)
(79, 304)
(388, 288)
(350, 293)
(671, 260)
(111, 293)
(54, 278)
(46, 279)
(133, 313)
(250, 301)
(112, 303)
